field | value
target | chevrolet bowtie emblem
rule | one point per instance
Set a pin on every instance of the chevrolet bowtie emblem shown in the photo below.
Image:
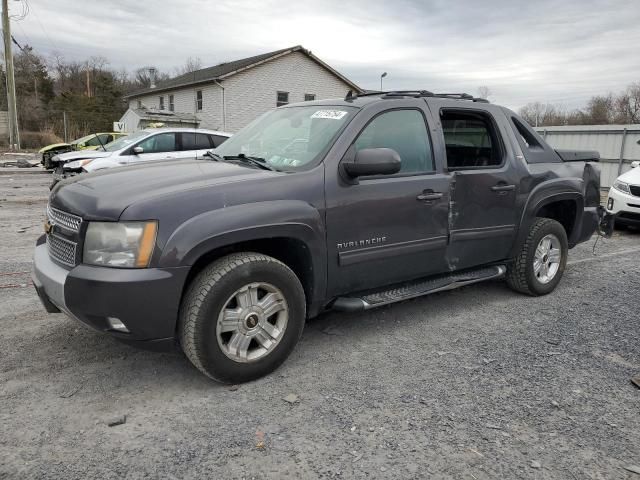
(48, 228)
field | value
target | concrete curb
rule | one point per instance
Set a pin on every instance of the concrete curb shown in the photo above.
(20, 171)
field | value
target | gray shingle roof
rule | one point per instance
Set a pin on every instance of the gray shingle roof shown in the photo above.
(217, 72)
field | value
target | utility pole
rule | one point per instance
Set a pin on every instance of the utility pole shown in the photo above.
(14, 135)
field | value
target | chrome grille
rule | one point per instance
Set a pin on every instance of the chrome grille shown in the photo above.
(61, 250)
(63, 219)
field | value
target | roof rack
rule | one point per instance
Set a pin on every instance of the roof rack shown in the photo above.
(415, 94)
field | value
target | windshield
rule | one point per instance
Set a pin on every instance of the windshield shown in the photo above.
(124, 142)
(289, 138)
(83, 139)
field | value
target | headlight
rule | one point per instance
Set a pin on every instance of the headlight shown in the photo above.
(623, 187)
(120, 244)
(77, 164)
(55, 158)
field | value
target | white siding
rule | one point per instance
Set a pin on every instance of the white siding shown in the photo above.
(130, 120)
(253, 92)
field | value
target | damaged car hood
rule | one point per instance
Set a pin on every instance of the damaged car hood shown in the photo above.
(104, 195)
(82, 154)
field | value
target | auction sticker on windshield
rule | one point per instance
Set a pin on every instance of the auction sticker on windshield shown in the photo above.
(331, 114)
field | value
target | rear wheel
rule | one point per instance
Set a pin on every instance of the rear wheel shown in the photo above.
(539, 266)
(241, 317)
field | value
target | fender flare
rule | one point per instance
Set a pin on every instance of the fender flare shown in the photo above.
(225, 227)
(544, 194)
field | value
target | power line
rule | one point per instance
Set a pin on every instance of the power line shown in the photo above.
(44, 30)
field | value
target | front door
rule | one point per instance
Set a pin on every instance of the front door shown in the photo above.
(388, 229)
(162, 146)
(484, 188)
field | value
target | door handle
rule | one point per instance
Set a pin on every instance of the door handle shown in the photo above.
(503, 188)
(429, 195)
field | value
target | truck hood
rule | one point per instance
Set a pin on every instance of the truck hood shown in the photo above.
(82, 154)
(632, 176)
(104, 195)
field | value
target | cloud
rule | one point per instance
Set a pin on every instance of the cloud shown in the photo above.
(561, 52)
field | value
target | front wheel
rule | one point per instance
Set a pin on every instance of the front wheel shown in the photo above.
(241, 317)
(539, 266)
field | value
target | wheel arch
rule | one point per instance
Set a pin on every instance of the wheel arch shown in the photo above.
(565, 206)
(291, 232)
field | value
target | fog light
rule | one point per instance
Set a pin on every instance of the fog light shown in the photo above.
(610, 204)
(116, 324)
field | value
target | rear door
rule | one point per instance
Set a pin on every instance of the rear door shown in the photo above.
(484, 186)
(194, 144)
(387, 229)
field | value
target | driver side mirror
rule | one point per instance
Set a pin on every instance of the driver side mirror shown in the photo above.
(372, 161)
(635, 164)
(138, 150)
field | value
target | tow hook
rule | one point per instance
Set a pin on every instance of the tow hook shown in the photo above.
(606, 222)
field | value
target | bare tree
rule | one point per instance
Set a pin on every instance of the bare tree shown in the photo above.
(484, 92)
(191, 65)
(539, 114)
(628, 105)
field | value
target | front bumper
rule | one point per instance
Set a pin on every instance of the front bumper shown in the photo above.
(145, 300)
(626, 207)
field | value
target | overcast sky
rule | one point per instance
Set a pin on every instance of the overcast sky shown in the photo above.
(560, 51)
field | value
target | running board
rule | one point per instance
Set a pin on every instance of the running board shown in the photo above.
(416, 288)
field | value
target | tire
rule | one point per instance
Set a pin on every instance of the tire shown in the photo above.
(231, 294)
(524, 275)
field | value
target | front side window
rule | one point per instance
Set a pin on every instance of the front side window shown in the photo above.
(161, 103)
(290, 138)
(199, 100)
(404, 131)
(282, 98)
(470, 139)
(163, 142)
(171, 104)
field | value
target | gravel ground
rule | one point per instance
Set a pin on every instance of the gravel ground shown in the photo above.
(475, 383)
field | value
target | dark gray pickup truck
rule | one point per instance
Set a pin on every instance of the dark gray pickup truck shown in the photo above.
(337, 204)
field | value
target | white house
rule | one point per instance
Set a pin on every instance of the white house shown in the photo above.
(230, 95)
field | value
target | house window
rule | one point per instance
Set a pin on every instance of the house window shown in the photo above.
(161, 104)
(282, 99)
(139, 104)
(309, 97)
(199, 100)
(171, 104)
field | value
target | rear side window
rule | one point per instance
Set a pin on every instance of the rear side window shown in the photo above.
(405, 132)
(471, 140)
(534, 148)
(218, 140)
(196, 141)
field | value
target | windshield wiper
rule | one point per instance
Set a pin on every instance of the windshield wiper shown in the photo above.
(256, 161)
(214, 156)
